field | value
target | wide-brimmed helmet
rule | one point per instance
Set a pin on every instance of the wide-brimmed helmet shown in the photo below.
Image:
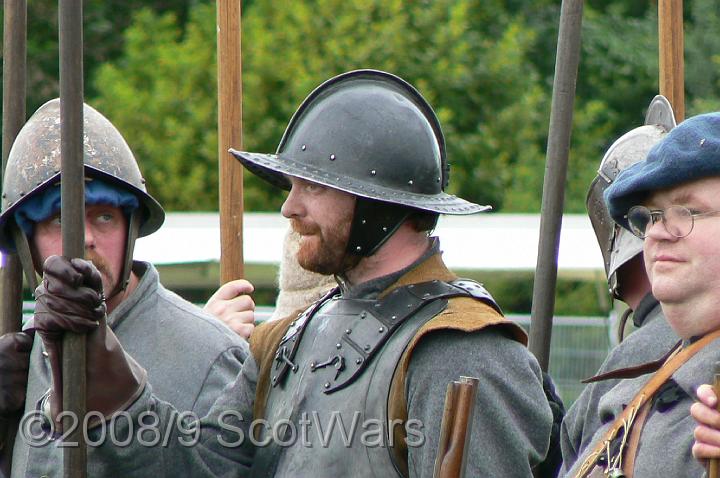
(371, 134)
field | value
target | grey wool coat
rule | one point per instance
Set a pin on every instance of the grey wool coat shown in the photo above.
(665, 447)
(650, 342)
(189, 357)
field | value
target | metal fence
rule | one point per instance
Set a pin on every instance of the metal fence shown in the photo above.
(579, 346)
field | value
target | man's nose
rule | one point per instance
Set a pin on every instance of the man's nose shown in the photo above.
(89, 236)
(291, 207)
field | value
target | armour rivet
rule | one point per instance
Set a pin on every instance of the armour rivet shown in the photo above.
(332, 157)
(372, 172)
(303, 147)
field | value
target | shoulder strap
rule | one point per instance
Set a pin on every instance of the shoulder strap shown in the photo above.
(627, 417)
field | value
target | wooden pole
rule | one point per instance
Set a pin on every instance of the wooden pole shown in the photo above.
(14, 93)
(13, 118)
(72, 217)
(229, 61)
(671, 50)
(558, 151)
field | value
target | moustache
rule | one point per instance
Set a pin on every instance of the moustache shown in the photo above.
(99, 262)
(304, 229)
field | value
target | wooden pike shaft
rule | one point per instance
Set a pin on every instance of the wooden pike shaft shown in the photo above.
(671, 50)
(72, 216)
(558, 152)
(229, 60)
(14, 93)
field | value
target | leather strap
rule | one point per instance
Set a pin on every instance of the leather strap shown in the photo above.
(628, 416)
(634, 371)
(634, 439)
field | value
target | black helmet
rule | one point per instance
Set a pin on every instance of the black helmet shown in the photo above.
(371, 134)
(617, 245)
(33, 166)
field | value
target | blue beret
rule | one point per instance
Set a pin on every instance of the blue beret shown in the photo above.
(689, 152)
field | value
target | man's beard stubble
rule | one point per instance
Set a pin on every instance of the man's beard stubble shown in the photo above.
(325, 252)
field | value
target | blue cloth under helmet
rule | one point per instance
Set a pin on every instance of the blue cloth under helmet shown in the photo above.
(43, 206)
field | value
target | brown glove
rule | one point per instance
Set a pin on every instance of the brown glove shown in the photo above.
(70, 298)
(14, 364)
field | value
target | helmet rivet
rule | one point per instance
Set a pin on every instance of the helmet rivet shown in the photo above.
(702, 141)
(332, 157)
(363, 221)
(384, 229)
(438, 179)
(358, 248)
(142, 180)
(303, 147)
(372, 172)
(410, 182)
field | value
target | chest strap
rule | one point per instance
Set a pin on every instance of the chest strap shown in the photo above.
(627, 419)
(370, 330)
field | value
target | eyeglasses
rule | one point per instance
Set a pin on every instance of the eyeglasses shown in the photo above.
(677, 220)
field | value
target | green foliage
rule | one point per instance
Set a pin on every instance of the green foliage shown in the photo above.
(160, 94)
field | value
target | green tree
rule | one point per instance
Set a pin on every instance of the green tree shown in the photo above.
(161, 95)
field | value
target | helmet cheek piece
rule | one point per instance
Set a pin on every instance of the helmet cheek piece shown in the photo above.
(373, 223)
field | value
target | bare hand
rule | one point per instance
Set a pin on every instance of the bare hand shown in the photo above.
(707, 433)
(232, 304)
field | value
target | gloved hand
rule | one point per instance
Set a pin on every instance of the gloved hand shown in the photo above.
(14, 364)
(70, 298)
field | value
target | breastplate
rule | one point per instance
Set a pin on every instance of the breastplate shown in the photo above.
(326, 412)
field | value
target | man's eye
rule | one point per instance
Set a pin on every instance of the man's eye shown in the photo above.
(105, 218)
(313, 188)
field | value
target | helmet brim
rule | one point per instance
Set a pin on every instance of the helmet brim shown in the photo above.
(274, 168)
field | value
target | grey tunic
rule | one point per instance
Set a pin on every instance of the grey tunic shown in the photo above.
(650, 342)
(511, 427)
(665, 447)
(189, 356)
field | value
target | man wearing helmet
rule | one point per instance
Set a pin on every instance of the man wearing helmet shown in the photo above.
(355, 384)
(627, 281)
(153, 324)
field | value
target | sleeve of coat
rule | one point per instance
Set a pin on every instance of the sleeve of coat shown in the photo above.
(213, 446)
(512, 420)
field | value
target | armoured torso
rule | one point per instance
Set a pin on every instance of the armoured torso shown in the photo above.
(331, 379)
